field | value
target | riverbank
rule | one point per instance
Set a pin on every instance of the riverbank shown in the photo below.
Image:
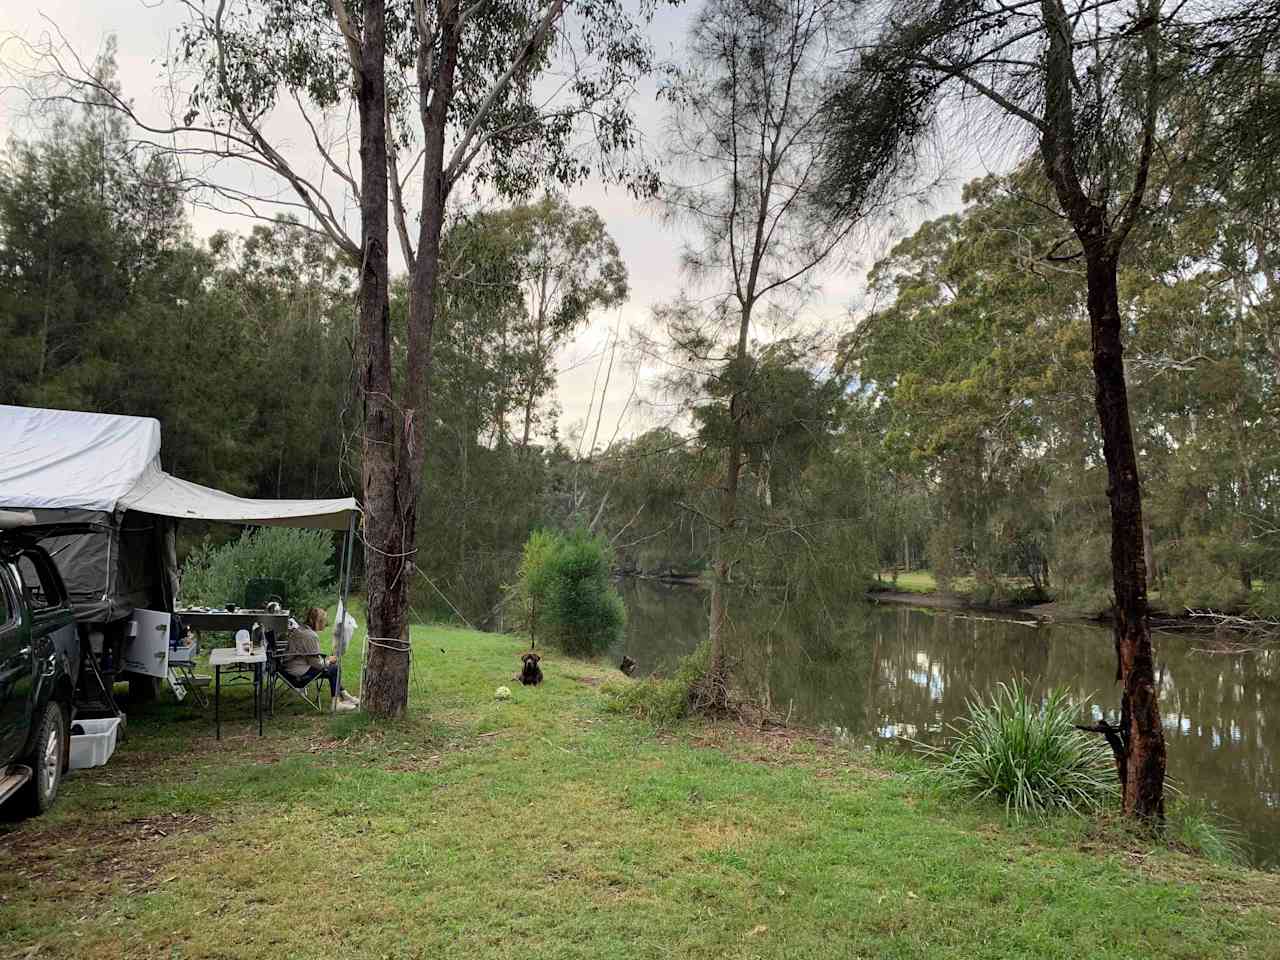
(549, 826)
(919, 588)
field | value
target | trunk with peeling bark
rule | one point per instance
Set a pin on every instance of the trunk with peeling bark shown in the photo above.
(1141, 759)
(1138, 743)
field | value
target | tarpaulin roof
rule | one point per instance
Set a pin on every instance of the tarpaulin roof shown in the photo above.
(60, 459)
(162, 493)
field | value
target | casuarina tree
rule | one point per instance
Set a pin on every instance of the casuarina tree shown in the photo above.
(748, 146)
(1087, 81)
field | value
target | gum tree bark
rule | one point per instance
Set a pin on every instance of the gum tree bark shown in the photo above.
(383, 680)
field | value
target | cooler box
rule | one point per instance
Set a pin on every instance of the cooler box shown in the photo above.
(94, 747)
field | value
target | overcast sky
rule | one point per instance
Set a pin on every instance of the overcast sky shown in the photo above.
(650, 250)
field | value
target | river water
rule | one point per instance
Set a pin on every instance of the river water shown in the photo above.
(895, 674)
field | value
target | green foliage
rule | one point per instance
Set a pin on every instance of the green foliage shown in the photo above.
(535, 274)
(1195, 827)
(662, 700)
(303, 559)
(566, 593)
(1025, 752)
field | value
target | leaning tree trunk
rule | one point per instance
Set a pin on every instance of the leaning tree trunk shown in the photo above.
(1140, 748)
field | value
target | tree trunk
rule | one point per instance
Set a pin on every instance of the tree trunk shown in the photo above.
(384, 563)
(539, 313)
(1142, 768)
(392, 693)
(715, 693)
(716, 685)
(1149, 553)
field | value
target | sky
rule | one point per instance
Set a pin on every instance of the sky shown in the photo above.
(650, 249)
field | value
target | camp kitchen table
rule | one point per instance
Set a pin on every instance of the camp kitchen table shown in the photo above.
(219, 657)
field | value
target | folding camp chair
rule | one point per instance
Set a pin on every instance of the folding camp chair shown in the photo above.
(277, 675)
(183, 678)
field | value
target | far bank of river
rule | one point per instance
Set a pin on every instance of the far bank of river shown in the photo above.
(894, 674)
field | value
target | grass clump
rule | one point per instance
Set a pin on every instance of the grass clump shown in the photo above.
(1026, 753)
(662, 700)
(1195, 827)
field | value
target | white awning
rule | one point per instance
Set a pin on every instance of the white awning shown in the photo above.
(62, 459)
(160, 493)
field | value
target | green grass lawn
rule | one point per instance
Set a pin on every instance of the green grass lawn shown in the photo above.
(548, 826)
(917, 581)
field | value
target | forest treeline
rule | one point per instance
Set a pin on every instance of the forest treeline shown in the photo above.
(950, 424)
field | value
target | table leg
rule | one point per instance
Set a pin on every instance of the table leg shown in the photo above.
(217, 699)
(257, 693)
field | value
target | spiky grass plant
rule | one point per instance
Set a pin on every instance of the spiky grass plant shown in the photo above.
(1195, 826)
(1026, 753)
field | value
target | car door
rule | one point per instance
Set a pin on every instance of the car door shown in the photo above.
(15, 667)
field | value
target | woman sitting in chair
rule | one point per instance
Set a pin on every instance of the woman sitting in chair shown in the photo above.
(304, 662)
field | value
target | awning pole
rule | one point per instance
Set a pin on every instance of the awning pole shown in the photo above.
(346, 590)
(346, 564)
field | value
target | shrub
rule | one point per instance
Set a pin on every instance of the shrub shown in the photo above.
(565, 592)
(303, 559)
(1027, 754)
(662, 700)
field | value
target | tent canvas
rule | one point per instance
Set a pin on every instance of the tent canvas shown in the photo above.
(68, 460)
(104, 470)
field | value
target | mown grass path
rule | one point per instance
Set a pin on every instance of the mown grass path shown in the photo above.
(547, 826)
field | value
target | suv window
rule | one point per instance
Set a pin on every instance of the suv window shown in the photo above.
(38, 584)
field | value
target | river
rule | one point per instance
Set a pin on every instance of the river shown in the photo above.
(896, 674)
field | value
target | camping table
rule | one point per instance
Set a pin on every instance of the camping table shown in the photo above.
(207, 620)
(227, 656)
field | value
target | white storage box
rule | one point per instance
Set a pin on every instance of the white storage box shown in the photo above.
(94, 747)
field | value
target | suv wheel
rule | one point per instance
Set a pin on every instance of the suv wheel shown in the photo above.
(45, 760)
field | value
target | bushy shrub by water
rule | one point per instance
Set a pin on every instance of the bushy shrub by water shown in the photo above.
(303, 559)
(662, 700)
(566, 594)
(1025, 752)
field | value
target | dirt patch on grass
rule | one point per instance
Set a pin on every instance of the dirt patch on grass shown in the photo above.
(778, 746)
(81, 857)
(717, 834)
(414, 764)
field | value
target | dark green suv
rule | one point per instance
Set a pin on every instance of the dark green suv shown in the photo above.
(39, 659)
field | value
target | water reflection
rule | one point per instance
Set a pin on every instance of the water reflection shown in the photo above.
(893, 673)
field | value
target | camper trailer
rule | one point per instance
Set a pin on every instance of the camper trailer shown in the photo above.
(93, 484)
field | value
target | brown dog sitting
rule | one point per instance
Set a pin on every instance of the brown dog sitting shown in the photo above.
(530, 672)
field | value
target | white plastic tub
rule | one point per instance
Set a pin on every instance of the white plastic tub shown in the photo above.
(94, 747)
